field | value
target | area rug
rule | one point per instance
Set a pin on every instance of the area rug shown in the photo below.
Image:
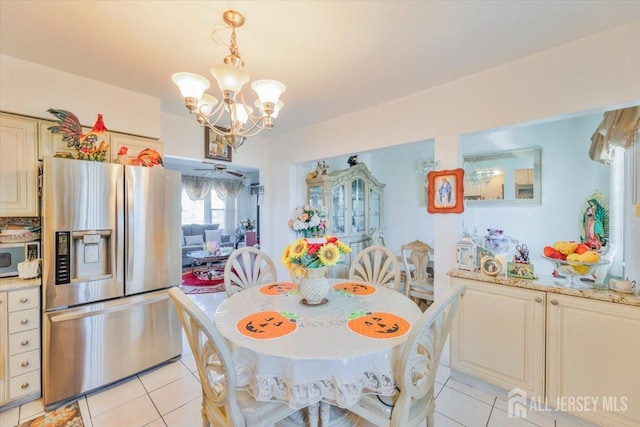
(66, 416)
(202, 289)
(202, 282)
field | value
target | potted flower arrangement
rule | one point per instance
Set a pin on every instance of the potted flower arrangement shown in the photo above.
(309, 221)
(308, 261)
(247, 224)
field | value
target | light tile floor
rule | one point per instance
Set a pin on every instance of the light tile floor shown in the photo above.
(169, 396)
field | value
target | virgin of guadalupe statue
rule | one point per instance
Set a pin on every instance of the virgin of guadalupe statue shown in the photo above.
(595, 222)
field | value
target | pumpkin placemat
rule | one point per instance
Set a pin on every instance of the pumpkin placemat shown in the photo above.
(354, 288)
(379, 324)
(266, 325)
(279, 288)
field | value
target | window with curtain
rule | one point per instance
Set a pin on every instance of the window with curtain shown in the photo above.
(217, 209)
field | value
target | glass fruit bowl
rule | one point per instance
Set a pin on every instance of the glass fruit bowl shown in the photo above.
(573, 270)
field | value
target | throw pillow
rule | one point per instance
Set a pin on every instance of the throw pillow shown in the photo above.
(193, 240)
(213, 235)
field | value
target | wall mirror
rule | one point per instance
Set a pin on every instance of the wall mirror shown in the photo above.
(503, 178)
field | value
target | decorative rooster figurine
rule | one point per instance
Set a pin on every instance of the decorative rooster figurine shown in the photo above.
(86, 144)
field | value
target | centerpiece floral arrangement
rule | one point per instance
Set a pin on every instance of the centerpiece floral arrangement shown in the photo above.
(309, 254)
(248, 224)
(309, 221)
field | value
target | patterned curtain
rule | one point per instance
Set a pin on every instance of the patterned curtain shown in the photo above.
(227, 188)
(197, 187)
(619, 128)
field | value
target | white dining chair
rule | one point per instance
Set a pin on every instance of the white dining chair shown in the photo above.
(248, 267)
(415, 403)
(377, 265)
(223, 404)
(418, 285)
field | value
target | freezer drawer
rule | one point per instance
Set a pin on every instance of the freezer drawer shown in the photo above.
(88, 347)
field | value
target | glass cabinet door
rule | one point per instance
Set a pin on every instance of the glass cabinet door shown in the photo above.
(337, 210)
(374, 209)
(357, 206)
(315, 196)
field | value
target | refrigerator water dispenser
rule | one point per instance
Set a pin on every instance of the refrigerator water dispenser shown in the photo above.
(82, 256)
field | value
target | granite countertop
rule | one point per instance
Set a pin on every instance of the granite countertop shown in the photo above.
(11, 283)
(547, 284)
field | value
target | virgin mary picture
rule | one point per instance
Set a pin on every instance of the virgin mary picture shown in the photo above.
(595, 222)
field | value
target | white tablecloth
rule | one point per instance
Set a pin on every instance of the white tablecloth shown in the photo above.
(322, 359)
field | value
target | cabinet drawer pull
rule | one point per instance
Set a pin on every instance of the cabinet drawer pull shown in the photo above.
(538, 299)
(554, 302)
(24, 300)
(24, 321)
(25, 385)
(24, 343)
(24, 364)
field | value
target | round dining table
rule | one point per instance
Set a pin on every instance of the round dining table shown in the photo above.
(288, 351)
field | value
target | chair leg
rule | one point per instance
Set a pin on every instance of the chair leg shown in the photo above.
(430, 419)
(312, 411)
(324, 414)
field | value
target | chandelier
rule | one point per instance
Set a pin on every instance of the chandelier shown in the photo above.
(232, 119)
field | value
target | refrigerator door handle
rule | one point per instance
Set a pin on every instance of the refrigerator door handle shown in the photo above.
(130, 224)
(108, 307)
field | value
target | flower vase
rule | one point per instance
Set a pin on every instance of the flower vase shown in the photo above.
(313, 285)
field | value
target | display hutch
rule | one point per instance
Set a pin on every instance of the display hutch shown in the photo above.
(354, 200)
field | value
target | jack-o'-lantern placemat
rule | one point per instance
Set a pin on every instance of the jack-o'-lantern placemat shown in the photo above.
(266, 325)
(354, 288)
(378, 324)
(279, 288)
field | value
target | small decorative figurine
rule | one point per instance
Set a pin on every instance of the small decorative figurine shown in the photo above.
(353, 160)
(87, 145)
(522, 254)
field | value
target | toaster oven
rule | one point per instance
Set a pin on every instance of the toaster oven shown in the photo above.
(11, 254)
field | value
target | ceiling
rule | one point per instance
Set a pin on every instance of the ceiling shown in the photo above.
(335, 57)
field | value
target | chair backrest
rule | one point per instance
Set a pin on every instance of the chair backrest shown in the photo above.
(216, 369)
(417, 254)
(421, 357)
(377, 265)
(247, 267)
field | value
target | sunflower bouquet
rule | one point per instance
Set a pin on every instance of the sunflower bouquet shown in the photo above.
(314, 253)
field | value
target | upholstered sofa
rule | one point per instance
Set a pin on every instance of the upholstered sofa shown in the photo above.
(194, 235)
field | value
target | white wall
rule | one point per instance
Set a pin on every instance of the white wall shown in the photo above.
(576, 77)
(30, 89)
(568, 175)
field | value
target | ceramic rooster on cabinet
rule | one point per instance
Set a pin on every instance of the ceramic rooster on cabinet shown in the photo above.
(90, 145)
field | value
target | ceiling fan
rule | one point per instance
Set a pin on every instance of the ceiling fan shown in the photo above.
(220, 169)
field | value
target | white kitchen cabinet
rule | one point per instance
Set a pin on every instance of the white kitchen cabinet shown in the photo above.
(18, 166)
(20, 344)
(51, 143)
(134, 144)
(593, 357)
(498, 336)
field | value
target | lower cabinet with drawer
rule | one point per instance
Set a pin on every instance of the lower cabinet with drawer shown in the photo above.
(20, 345)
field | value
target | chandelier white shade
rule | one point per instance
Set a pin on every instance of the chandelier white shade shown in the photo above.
(231, 118)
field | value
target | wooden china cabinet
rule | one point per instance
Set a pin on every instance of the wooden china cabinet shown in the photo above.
(354, 199)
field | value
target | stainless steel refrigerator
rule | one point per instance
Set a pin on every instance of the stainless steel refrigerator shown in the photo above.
(110, 246)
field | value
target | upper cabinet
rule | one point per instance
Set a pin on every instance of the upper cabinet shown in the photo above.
(134, 144)
(353, 198)
(18, 166)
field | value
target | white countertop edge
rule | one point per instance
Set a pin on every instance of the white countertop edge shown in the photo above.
(12, 283)
(545, 284)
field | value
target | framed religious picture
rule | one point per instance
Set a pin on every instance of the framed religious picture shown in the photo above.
(214, 146)
(445, 191)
